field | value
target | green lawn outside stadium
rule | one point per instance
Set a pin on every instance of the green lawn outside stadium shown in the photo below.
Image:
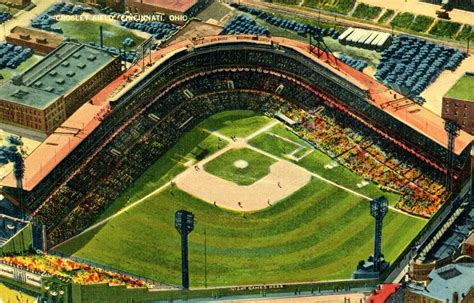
(318, 233)
(89, 32)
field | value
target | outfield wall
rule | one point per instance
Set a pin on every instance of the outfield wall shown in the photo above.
(18, 244)
(104, 293)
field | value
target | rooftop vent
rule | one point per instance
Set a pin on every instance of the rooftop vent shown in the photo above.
(38, 84)
(60, 81)
(91, 58)
(25, 36)
(17, 80)
(42, 40)
(19, 93)
(81, 65)
(53, 73)
(76, 56)
(65, 64)
(49, 89)
(449, 273)
(70, 73)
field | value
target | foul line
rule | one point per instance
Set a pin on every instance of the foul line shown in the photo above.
(123, 210)
(217, 134)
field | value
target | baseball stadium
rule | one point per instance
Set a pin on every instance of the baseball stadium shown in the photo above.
(274, 145)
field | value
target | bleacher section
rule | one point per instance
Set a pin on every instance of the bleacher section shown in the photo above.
(410, 64)
(76, 191)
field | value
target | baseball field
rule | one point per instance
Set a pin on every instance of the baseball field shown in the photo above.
(268, 208)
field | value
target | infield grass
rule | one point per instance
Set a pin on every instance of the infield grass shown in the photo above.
(316, 161)
(318, 233)
(224, 166)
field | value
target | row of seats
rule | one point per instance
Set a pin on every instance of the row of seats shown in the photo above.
(298, 27)
(244, 25)
(410, 64)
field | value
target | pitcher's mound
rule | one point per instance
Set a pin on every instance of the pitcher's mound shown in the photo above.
(241, 164)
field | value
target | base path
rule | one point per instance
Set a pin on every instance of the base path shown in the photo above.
(284, 179)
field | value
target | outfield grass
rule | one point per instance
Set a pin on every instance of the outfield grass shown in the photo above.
(316, 161)
(239, 123)
(89, 32)
(223, 166)
(318, 233)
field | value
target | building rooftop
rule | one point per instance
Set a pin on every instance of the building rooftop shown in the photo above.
(36, 36)
(172, 5)
(446, 280)
(55, 75)
(463, 89)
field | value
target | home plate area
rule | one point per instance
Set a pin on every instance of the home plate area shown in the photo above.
(232, 185)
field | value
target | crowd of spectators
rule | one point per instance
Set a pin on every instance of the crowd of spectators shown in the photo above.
(155, 113)
(374, 158)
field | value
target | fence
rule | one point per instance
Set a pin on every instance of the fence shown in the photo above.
(154, 284)
(19, 244)
(423, 238)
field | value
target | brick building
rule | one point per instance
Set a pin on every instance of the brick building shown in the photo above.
(458, 104)
(451, 283)
(43, 96)
(41, 42)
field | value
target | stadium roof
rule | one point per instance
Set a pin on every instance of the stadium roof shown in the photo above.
(180, 6)
(55, 75)
(463, 89)
(446, 280)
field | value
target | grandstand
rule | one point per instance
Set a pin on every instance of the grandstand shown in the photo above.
(266, 75)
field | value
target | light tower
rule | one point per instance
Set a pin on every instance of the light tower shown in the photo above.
(378, 210)
(372, 267)
(184, 223)
(452, 129)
